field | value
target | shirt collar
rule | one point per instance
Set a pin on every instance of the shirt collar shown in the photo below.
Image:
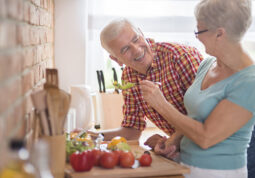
(153, 46)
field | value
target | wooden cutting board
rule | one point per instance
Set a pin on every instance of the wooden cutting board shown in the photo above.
(160, 167)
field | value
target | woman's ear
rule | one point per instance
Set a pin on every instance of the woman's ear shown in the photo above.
(116, 60)
(220, 32)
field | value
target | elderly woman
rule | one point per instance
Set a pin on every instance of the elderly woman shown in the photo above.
(221, 101)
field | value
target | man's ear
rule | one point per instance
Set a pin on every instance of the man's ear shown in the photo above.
(116, 60)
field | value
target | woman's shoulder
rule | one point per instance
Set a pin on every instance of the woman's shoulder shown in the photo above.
(245, 77)
(205, 64)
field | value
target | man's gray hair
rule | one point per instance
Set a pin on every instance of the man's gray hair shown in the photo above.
(233, 15)
(112, 30)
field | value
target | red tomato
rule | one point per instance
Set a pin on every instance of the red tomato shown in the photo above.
(82, 161)
(145, 160)
(97, 154)
(127, 159)
(117, 156)
(108, 160)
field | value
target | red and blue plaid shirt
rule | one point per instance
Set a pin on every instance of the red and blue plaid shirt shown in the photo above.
(175, 67)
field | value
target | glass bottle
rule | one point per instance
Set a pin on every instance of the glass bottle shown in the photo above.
(18, 164)
(40, 159)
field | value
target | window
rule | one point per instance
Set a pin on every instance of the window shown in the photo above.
(163, 20)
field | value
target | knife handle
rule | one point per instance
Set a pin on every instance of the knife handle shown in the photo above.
(102, 78)
(99, 80)
(115, 78)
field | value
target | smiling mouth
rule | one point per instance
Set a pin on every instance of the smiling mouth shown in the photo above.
(140, 57)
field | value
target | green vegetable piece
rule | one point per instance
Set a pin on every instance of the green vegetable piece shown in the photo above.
(128, 85)
(124, 86)
(123, 146)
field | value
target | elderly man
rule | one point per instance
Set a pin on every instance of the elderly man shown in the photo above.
(172, 65)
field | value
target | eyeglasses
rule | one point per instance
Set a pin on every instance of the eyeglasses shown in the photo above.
(199, 32)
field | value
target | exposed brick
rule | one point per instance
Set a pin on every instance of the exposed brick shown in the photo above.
(26, 50)
(42, 69)
(34, 35)
(23, 34)
(7, 34)
(45, 4)
(9, 93)
(26, 11)
(51, 6)
(16, 123)
(15, 9)
(34, 17)
(29, 56)
(43, 35)
(2, 8)
(36, 2)
(10, 64)
(41, 3)
(47, 51)
(50, 36)
(27, 82)
(28, 105)
(40, 53)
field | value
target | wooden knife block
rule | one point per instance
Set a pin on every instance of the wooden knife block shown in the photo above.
(111, 107)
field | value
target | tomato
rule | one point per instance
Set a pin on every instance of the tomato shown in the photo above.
(82, 161)
(108, 160)
(127, 159)
(145, 160)
(97, 154)
(117, 156)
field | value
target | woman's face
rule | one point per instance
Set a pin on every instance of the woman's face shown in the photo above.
(208, 38)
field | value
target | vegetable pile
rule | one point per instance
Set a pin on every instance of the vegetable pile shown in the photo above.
(83, 155)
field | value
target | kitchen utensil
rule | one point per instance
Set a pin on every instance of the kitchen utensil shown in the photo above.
(39, 101)
(58, 104)
(102, 79)
(99, 80)
(51, 78)
(115, 78)
(58, 101)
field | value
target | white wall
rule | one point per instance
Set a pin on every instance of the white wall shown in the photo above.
(70, 42)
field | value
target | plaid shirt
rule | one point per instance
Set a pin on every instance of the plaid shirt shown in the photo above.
(175, 66)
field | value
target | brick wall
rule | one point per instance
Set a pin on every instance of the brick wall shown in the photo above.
(26, 49)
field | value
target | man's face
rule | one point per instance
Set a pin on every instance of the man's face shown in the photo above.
(130, 48)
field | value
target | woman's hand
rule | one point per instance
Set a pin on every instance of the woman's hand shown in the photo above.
(151, 93)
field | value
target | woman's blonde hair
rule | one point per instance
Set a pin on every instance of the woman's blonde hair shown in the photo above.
(232, 15)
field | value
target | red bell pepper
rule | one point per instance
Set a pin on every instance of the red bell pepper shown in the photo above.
(83, 161)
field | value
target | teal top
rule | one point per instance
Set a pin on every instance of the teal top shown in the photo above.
(239, 88)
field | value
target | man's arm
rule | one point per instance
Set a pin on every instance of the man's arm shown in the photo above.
(128, 133)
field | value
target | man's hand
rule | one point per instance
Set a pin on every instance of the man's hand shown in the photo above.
(167, 148)
(152, 141)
